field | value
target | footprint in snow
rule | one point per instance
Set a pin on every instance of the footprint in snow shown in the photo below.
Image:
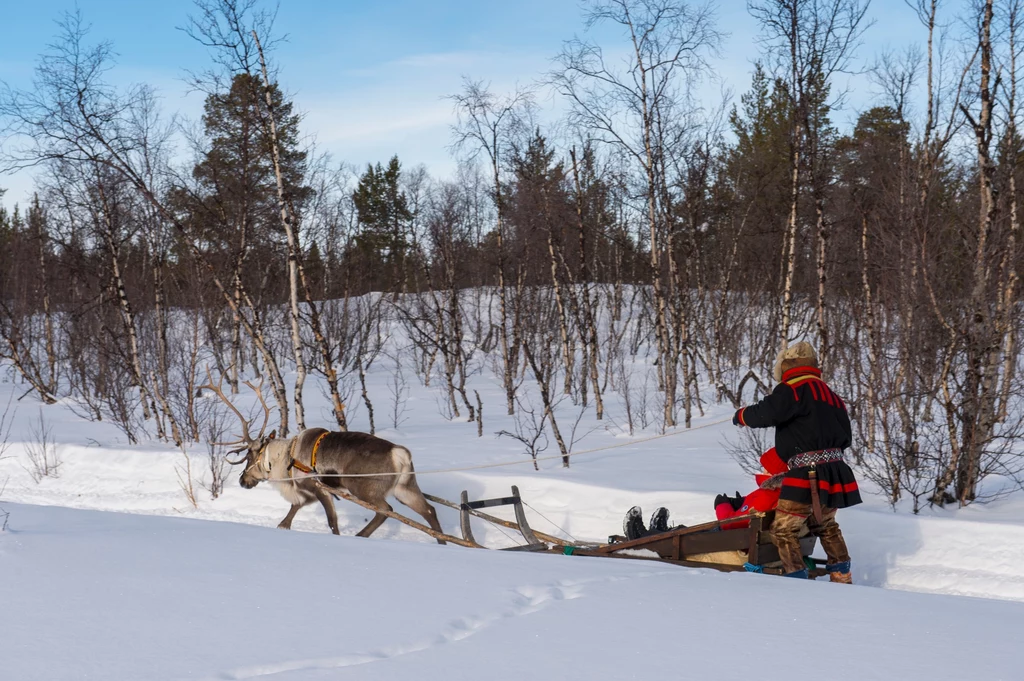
(527, 599)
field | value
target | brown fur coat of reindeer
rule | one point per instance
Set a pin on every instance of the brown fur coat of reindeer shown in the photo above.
(340, 459)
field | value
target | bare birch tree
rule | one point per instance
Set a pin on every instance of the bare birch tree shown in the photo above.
(669, 43)
(486, 124)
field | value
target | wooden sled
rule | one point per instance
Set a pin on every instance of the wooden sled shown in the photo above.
(703, 546)
(708, 546)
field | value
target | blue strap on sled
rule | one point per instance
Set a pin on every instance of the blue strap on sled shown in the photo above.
(750, 567)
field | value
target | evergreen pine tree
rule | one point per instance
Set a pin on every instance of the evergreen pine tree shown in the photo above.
(236, 174)
(384, 219)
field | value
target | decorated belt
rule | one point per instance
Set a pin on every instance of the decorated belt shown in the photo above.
(814, 458)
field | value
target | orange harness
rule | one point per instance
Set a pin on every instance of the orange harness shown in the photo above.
(311, 468)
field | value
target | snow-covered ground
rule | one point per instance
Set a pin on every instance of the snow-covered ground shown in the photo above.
(87, 594)
(93, 595)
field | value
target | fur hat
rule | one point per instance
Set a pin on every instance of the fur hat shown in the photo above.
(800, 354)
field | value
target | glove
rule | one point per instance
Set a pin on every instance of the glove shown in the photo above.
(736, 421)
(735, 502)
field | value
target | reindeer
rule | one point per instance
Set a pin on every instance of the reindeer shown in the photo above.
(307, 467)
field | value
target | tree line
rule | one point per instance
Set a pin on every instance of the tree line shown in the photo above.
(648, 232)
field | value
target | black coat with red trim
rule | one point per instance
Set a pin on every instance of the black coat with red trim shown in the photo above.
(808, 417)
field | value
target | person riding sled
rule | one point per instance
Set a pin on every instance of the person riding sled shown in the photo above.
(812, 430)
(761, 500)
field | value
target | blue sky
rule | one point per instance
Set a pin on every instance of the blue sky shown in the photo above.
(369, 76)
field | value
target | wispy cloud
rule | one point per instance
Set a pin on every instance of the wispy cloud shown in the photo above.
(339, 124)
(401, 106)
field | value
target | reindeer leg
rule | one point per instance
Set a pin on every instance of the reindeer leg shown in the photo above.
(286, 524)
(411, 496)
(328, 504)
(377, 521)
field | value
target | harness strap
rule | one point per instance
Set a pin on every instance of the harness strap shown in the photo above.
(316, 446)
(295, 463)
(301, 466)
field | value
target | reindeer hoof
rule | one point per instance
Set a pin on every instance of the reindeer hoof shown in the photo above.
(284, 526)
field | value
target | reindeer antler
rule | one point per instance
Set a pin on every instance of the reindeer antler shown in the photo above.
(218, 390)
(258, 389)
(247, 439)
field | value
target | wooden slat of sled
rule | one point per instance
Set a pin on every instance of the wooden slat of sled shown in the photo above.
(643, 542)
(493, 519)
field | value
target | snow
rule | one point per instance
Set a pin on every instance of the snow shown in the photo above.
(107, 571)
(98, 595)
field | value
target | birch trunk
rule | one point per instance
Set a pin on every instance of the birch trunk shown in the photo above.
(588, 332)
(1009, 265)
(870, 322)
(789, 240)
(162, 388)
(236, 321)
(509, 366)
(290, 230)
(978, 406)
(234, 369)
(326, 355)
(124, 305)
(44, 288)
(650, 162)
(541, 374)
(568, 355)
(823, 338)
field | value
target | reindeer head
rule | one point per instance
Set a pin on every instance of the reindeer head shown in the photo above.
(256, 459)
